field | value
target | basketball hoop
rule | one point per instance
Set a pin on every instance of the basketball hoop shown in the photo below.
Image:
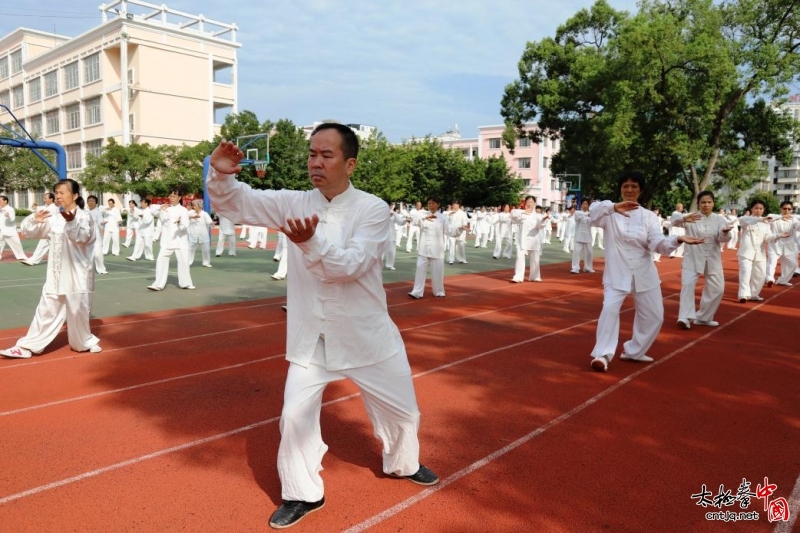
(261, 170)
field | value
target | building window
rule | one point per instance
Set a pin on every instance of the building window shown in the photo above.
(52, 122)
(73, 115)
(16, 61)
(18, 96)
(3, 67)
(131, 123)
(36, 126)
(524, 162)
(73, 156)
(553, 143)
(524, 142)
(526, 183)
(94, 148)
(494, 144)
(5, 99)
(72, 76)
(91, 68)
(35, 90)
(92, 111)
(51, 84)
(545, 161)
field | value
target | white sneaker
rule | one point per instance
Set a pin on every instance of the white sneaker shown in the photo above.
(684, 324)
(189, 287)
(16, 353)
(153, 288)
(640, 359)
(600, 364)
(277, 277)
(784, 284)
(711, 323)
(95, 349)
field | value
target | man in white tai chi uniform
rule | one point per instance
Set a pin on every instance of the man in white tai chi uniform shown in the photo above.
(338, 325)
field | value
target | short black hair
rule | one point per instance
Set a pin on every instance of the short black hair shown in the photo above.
(349, 138)
(630, 175)
(756, 202)
(703, 194)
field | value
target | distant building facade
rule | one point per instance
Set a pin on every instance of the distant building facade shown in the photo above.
(530, 161)
(146, 74)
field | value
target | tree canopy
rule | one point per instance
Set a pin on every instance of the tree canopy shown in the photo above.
(678, 90)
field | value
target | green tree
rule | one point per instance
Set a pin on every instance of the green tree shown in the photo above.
(118, 169)
(771, 202)
(383, 169)
(183, 168)
(670, 91)
(288, 156)
(21, 169)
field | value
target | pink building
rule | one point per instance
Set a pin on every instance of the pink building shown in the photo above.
(530, 161)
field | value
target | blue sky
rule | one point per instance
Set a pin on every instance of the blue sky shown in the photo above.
(411, 67)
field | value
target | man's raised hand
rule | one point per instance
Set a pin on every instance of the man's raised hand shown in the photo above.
(225, 158)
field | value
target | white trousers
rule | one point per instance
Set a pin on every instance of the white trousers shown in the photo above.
(390, 255)
(388, 393)
(162, 268)
(258, 237)
(243, 233)
(751, 277)
(502, 247)
(569, 243)
(111, 239)
(130, 233)
(413, 232)
(788, 266)
(99, 260)
(143, 245)
(457, 250)
(560, 227)
(41, 248)
(647, 320)
(437, 276)
(231, 240)
(583, 250)
(50, 315)
(734, 239)
(283, 265)
(15, 244)
(713, 289)
(519, 265)
(205, 252)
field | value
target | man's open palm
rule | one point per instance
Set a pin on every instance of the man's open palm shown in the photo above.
(225, 158)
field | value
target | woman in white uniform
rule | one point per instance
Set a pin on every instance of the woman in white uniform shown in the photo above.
(69, 283)
(529, 242)
(704, 259)
(200, 224)
(752, 257)
(631, 233)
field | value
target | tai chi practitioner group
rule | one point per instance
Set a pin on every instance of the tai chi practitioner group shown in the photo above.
(433, 228)
(69, 282)
(338, 325)
(174, 239)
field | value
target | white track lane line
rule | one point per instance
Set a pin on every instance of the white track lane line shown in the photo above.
(427, 492)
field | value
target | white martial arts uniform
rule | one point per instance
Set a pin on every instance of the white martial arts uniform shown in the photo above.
(283, 262)
(702, 259)
(482, 228)
(111, 219)
(734, 221)
(8, 233)
(174, 239)
(258, 237)
(752, 256)
(99, 261)
(145, 233)
(396, 221)
(569, 233)
(199, 235)
(783, 249)
(413, 230)
(69, 283)
(583, 243)
(227, 233)
(458, 243)
(503, 240)
(676, 231)
(131, 227)
(529, 243)
(44, 244)
(338, 326)
(431, 251)
(630, 269)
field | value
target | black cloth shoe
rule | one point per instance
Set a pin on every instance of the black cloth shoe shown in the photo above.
(291, 512)
(424, 476)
